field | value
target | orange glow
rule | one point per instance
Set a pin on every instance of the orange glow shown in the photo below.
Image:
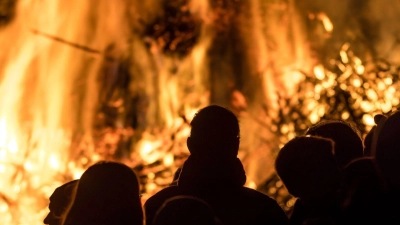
(319, 72)
(60, 59)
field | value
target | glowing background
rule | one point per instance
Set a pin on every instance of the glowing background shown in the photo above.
(88, 80)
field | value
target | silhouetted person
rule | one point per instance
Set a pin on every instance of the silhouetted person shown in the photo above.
(348, 143)
(363, 193)
(215, 174)
(388, 150)
(184, 210)
(59, 201)
(107, 194)
(309, 170)
(388, 160)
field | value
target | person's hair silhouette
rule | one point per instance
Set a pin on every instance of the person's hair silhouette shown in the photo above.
(213, 144)
(214, 173)
(215, 133)
(185, 209)
(387, 154)
(363, 190)
(348, 142)
(308, 168)
(107, 194)
(388, 150)
(59, 201)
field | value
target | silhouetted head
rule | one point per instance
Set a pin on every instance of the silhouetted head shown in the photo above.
(362, 178)
(215, 133)
(308, 168)
(107, 194)
(362, 171)
(348, 143)
(184, 210)
(363, 187)
(59, 201)
(388, 149)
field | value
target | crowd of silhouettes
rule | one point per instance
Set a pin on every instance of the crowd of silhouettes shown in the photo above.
(336, 176)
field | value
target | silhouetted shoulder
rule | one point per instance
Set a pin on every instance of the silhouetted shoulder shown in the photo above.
(241, 206)
(155, 202)
(107, 193)
(265, 207)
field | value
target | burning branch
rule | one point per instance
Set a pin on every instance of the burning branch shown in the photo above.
(92, 51)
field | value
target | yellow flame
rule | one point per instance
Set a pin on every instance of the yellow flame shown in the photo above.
(368, 120)
(3, 207)
(146, 148)
(148, 151)
(168, 159)
(388, 81)
(190, 113)
(371, 94)
(291, 202)
(251, 184)
(326, 22)
(284, 129)
(366, 106)
(3, 132)
(28, 166)
(314, 118)
(381, 86)
(77, 173)
(345, 115)
(359, 69)
(319, 72)
(343, 53)
(150, 187)
(53, 162)
(357, 61)
(386, 107)
(13, 145)
(357, 82)
(395, 101)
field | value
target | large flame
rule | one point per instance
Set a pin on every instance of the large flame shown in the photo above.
(39, 103)
(52, 53)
